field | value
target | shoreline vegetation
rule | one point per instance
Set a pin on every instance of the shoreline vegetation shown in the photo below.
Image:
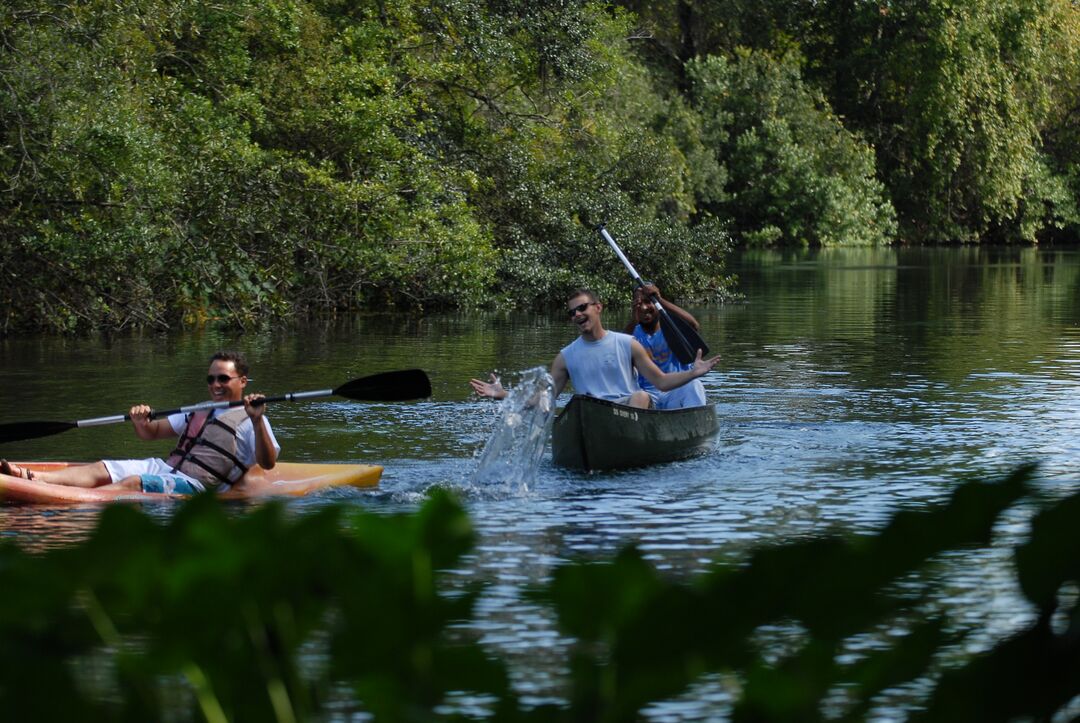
(171, 163)
(215, 616)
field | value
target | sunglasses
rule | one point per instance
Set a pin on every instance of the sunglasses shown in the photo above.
(580, 308)
(220, 378)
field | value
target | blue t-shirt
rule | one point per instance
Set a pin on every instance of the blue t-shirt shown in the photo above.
(661, 354)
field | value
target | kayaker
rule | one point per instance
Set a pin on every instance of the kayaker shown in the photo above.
(645, 327)
(602, 363)
(214, 449)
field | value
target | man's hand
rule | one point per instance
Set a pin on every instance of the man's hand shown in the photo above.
(140, 416)
(265, 452)
(492, 389)
(704, 366)
(650, 290)
(255, 411)
(147, 428)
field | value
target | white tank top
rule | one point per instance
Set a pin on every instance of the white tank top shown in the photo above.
(603, 368)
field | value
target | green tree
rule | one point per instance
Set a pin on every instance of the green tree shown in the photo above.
(88, 182)
(959, 99)
(969, 106)
(180, 160)
(565, 129)
(795, 174)
(171, 161)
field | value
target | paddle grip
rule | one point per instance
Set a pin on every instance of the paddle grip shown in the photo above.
(302, 395)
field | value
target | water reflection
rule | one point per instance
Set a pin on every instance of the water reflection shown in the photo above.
(42, 528)
(852, 383)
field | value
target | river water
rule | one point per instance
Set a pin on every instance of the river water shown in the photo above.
(852, 383)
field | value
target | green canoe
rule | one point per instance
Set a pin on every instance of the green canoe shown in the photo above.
(594, 434)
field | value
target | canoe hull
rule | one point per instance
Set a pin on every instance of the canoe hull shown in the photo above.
(286, 479)
(594, 434)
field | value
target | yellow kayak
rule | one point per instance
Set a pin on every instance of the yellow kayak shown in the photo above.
(285, 479)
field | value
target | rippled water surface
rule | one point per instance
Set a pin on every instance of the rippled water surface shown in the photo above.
(852, 383)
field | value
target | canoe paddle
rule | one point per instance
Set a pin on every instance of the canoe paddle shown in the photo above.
(394, 386)
(681, 337)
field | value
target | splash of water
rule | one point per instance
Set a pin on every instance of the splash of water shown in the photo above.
(512, 453)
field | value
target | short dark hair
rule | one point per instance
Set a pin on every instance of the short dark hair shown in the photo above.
(583, 292)
(235, 357)
(639, 290)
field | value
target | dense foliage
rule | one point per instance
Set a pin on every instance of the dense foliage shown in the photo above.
(796, 175)
(966, 103)
(166, 161)
(268, 616)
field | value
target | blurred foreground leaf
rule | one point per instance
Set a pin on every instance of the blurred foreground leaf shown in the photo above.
(269, 616)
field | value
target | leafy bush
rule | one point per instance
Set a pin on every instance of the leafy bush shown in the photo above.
(248, 160)
(606, 147)
(228, 607)
(268, 616)
(795, 174)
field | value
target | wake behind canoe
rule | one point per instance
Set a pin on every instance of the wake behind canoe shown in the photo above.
(290, 479)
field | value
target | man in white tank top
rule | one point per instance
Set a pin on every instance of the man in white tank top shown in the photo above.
(602, 363)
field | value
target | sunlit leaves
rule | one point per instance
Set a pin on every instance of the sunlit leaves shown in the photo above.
(969, 106)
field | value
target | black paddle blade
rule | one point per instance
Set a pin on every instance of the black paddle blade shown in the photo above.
(15, 431)
(682, 338)
(388, 387)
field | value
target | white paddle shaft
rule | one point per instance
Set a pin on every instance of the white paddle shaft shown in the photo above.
(626, 262)
(203, 406)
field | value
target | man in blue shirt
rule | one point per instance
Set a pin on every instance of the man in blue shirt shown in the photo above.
(645, 328)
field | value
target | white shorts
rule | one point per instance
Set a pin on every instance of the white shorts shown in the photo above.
(122, 468)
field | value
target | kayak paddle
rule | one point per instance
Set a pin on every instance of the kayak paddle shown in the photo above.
(385, 387)
(681, 337)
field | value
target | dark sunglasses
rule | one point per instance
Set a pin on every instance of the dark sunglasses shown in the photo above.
(580, 308)
(220, 378)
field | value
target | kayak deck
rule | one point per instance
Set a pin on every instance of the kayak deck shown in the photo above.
(289, 479)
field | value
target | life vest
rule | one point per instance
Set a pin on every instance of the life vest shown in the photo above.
(207, 448)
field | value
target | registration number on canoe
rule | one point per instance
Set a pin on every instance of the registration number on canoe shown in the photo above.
(624, 413)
